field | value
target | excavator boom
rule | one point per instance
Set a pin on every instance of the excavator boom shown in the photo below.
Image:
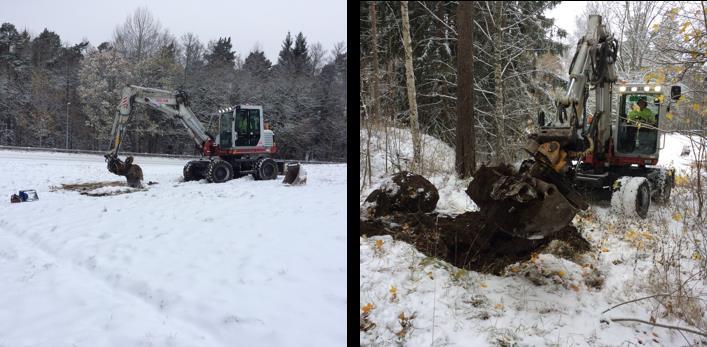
(539, 199)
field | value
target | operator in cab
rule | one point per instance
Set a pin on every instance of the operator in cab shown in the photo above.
(638, 116)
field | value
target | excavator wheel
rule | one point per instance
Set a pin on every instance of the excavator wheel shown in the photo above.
(219, 171)
(265, 169)
(631, 196)
(666, 186)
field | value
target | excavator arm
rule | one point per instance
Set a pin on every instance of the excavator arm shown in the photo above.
(173, 104)
(539, 199)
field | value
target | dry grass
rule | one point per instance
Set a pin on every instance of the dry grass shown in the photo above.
(678, 263)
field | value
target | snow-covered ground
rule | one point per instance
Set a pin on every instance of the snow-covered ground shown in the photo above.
(438, 159)
(243, 263)
(410, 299)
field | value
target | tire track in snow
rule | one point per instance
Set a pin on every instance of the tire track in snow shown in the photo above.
(88, 272)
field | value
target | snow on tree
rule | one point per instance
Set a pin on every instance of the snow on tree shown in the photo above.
(102, 76)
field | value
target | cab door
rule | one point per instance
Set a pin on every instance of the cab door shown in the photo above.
(247, 125)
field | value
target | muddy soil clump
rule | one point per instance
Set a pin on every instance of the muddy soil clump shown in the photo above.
(403, 192)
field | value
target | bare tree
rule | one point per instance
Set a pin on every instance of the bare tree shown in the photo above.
(316, 53)
(140, 36)
(466, 141)
(410, 78)
(193, 51)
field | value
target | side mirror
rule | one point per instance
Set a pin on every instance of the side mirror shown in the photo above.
(541, 118)
(675, 92)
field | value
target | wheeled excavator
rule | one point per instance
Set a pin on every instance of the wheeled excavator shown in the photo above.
(243, 145)
(579, 153)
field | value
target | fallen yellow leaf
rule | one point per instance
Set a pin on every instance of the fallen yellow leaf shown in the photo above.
(561, 273)
(393, 290)
(483, 285)
(367, 308)
(677, 216)
(680, 180)
(604, 249)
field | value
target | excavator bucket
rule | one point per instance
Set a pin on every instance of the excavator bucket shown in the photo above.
(295, 175)
(520, 204)
(131, 171)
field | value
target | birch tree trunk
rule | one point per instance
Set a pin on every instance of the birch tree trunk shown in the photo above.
(466, 141)
(498, 79)
(410, 78)
(374, 38)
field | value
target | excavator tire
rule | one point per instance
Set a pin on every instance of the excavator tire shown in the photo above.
(265, 169)
(631, 196)
(219, 171)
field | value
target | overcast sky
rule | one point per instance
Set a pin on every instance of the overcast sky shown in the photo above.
(565, 14)
(247, 22)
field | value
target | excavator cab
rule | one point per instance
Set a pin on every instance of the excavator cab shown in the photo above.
(640, 111)
(241, 127)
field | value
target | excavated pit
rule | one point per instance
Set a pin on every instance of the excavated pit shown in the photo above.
(101, 188)
(471, 240)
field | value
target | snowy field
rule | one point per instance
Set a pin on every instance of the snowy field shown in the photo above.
(410, 299)
(243, 263)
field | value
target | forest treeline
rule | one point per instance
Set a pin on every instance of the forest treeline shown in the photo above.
(56, 94)
(521, 63)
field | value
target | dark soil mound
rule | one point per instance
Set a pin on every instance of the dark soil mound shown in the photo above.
(404, 192)
(467, 241)
(474, 240)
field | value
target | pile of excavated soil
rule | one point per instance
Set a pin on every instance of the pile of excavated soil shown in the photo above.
(468, 241)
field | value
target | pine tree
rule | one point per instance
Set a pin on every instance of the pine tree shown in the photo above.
(15, 88)
(285, 57)
(466, 143)
(45, 48)
(221, 53)
(257, 64)
(300, 56)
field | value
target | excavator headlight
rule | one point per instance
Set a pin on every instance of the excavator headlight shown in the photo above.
(657, 88)
(646, 88)
(633, 89)
(622, 88)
